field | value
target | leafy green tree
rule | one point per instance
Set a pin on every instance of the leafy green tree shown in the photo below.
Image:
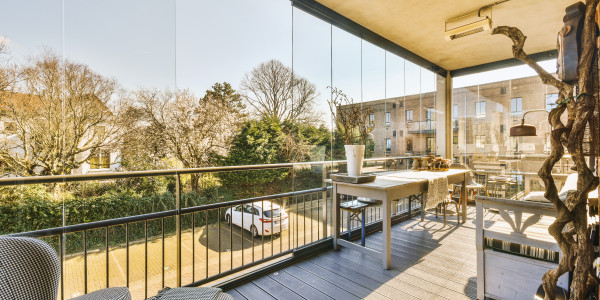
(258, 142)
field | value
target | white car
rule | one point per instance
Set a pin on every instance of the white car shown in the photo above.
(260, 218)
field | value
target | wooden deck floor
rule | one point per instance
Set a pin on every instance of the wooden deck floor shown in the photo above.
(429, 261)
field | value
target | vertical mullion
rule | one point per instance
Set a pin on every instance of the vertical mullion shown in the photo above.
(311, 217)
(241, 229)
(262, 236)
(145, 258)
(162, 226)
(304, 219)
(85, 264)
(61, 247)
(272, 228)
(297, 213)
(231, 238)
(252, 226)
(107, 268)
(206, 246)
(219, 240)
(127, 252)
(319, 215)
(194, 247)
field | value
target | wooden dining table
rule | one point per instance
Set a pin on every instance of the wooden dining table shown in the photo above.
(388, 187)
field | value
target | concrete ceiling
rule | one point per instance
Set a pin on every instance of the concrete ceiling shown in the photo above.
(418, 26)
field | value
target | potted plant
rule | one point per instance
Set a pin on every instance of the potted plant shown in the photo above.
(352, 121)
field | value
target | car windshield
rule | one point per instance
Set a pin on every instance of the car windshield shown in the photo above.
(275, 213)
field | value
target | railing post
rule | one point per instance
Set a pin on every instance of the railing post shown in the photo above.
(324, 215)
(178, 226)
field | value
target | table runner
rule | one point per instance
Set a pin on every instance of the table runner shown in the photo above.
(437, 190)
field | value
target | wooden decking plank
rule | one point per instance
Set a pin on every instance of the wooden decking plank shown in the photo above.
(441, 262)
(374, 270)
(252, 291)
(323, 286)
(382, 288)
(340, 281)
(275, 289)
(456, 282)
(444, 255)
(413, 247)
(429, 261)
(431, 286)
(299, 287)
(235, 294)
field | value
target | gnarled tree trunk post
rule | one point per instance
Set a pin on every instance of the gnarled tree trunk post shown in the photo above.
(570, 227)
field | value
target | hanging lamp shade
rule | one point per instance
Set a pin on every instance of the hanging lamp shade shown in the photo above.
(523, 129)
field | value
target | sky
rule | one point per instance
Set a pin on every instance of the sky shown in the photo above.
(193, 44)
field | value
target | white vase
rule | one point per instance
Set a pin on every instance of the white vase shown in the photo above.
(355, 154)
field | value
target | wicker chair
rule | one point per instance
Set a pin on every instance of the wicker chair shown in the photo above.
(30, 269)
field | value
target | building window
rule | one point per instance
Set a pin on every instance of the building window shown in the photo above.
(455, 139)
(388, 118)
(503, 90)
(480, 141)
(10, 127)
(388, 144)
(371, 119)
(393, 105)
(551, 101)
(455, 112)
(101, 160)
(409, 145)
(429, 144)
(516, 105)
(480, 109)
(429, 115)
(409, 115)
(394, 133)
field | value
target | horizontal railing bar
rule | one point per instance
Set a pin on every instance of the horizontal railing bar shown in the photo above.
(156, 215)
(250, 200)
(238, 269)
(96, 225)
(136, 174)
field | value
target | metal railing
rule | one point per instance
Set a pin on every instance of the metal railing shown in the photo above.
(226, 248)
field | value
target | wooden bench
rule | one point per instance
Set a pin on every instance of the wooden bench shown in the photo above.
(514, 248)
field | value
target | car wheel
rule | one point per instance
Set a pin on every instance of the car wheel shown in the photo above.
(254, 231)
(228, 218)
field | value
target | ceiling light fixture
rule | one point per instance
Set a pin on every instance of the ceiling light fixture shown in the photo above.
(524, 129)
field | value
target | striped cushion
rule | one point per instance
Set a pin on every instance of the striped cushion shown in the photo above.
(522, 250)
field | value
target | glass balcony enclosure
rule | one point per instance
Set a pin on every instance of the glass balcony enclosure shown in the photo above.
(105, 89)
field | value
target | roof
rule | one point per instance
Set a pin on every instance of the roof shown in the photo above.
(418, 26)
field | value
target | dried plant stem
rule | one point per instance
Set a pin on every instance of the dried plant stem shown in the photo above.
(570, 227)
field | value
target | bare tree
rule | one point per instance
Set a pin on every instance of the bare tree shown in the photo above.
(193, 130)
(8, 71)
(56, 116)
(272, 90)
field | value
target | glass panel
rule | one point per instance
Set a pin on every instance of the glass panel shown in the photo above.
(373, 90)
(346, 76)
(482, 117)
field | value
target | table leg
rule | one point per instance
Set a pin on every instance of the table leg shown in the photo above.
(387, 234)
(463, 198)
(422, 207)
(335, 216)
